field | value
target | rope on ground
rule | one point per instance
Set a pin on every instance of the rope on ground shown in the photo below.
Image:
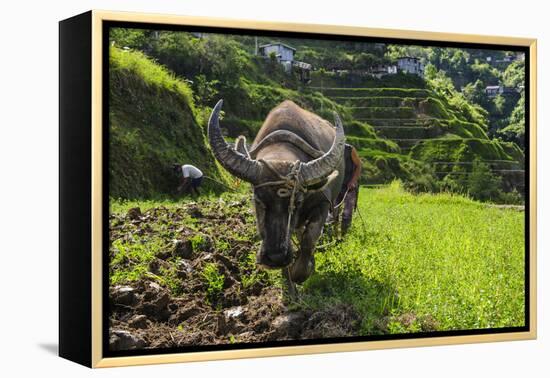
(362, 220)
(220, 183)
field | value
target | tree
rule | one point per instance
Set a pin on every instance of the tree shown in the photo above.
(475, 93)
(483, 185)
(430, 72)
(514, 75)
(364, 61)
(205, 91)
(133, 38)
(515, 131)
(468, 111)
(484, 72)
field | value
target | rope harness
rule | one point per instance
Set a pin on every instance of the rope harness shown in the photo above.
(290, 185)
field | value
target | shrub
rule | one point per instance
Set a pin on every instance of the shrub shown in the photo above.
(482, 184)
(513, 198)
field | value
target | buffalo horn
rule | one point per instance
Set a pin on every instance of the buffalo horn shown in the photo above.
(315, 170)
(235, 162)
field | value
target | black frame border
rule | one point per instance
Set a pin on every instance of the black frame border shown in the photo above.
(75, 180)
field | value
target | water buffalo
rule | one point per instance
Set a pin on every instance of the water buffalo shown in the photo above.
(295, 166)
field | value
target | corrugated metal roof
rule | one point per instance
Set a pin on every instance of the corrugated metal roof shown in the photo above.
(408, 57)
(278, 44)
(303, 65)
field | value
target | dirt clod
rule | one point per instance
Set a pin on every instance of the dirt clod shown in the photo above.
(123, 295)
(124, 340)
(183, 248)
(138, 321)
(134, 213)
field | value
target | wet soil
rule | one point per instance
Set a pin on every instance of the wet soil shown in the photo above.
(173, 304)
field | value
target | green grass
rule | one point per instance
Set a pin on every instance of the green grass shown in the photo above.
(410, 262)
(151, 73)
(120, 206)
(214, 282)
(369, 92)
(458, 149)
(436, 262)
(380, 101)
(132, 259)
(359, 129)
(401, 112)
(373, 143)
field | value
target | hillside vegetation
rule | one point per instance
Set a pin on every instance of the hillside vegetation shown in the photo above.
(425, 132)
(153, 123)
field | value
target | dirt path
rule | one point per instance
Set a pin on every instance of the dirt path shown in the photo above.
(508, 207)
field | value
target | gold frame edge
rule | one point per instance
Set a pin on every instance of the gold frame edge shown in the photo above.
(98, 16)
(533, 188)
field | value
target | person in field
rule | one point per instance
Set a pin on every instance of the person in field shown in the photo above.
(190, 178)
(350, 186)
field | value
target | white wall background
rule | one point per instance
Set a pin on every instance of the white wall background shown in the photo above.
(28, 205)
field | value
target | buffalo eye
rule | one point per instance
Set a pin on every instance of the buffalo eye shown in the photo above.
(299, 199)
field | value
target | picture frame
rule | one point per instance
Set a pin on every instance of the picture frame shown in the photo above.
(84, 189)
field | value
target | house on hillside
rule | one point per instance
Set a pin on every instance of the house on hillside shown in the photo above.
(285, 56)
(303, 70)
(283, 52)
(411, 65)
(382, 70)
(493, 90)
(511, 91)
(507, 59)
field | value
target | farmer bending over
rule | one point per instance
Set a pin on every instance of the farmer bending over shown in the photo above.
(190, 178)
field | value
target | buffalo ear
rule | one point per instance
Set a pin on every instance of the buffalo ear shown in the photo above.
(320, 185)
(319, 168)
(240, 146)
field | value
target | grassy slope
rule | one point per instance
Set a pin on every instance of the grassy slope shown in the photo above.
(153, 123)
(421, 262)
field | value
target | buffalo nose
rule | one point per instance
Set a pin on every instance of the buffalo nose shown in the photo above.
(274, 259)
(278, 258)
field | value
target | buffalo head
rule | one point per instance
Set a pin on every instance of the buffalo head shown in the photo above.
(280, 187)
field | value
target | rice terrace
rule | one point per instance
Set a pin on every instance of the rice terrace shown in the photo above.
(436, 237)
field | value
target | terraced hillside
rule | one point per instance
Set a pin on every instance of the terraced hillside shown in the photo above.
(429, 129)
(423, 132)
